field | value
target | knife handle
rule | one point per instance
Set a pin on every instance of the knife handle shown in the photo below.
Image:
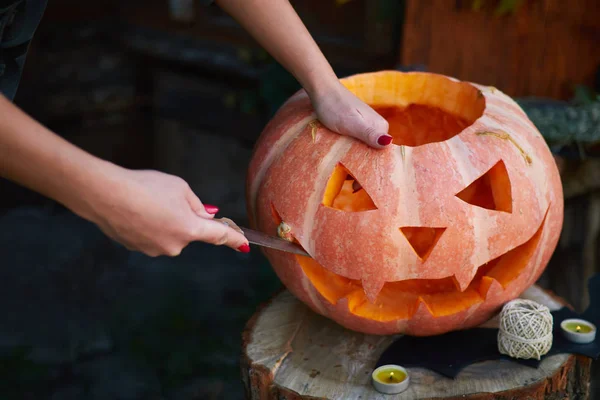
(229, 223)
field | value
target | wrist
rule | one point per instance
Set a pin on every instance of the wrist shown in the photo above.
(321, 84)
(93, 187)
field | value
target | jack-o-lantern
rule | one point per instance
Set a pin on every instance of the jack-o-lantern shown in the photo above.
(431, 234)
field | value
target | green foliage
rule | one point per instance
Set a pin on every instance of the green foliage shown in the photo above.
(567, 124)
(504, 7)
(276, 86)
(585, 95)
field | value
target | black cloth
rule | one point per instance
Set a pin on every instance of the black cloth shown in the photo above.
(19, 20)
(450, 353)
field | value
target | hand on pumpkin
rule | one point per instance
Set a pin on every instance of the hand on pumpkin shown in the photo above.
(278, 28)
(159, 214)
(342, 112)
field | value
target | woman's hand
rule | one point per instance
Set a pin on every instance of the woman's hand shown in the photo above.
(342, 112)
(147, 211)
(158, 214)
(277, 27)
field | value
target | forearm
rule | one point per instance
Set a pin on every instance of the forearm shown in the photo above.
(34, 157)
(277, 27)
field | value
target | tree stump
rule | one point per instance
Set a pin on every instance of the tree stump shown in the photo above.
(290, 352)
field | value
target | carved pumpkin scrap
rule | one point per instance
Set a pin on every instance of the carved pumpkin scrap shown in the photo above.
(432, 234)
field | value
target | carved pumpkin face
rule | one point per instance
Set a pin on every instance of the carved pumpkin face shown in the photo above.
(434, 233)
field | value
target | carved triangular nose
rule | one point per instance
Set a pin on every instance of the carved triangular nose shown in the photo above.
(422, 239)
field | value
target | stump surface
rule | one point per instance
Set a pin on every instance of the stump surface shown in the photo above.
(290, 352)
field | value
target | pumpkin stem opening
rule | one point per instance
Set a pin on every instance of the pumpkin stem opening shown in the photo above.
(417, 124)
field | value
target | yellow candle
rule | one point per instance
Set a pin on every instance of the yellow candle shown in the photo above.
(578, 330)
(391, 375)
(390, 379)
(578, 327)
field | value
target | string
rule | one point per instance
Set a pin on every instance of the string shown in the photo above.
(525, 329)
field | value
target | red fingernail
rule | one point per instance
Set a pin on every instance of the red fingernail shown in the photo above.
(384, 140)
(245, 248)
(211, 209)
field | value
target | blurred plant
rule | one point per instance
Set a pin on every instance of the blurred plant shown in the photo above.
(276, 86)
(570, 128)
(504, 6)
(585, 95)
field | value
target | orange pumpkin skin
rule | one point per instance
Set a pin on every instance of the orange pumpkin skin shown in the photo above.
(458, 216)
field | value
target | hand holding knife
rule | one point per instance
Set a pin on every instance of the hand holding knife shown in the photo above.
(262, 239)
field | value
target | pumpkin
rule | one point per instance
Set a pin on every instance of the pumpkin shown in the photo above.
(432, 234)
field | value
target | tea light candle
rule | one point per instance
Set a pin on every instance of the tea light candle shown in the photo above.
(390, 379)
(578, 330)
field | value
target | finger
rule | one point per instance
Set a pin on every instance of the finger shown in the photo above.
(365, 124)
(202, 210)
(230, 224)
(218, 233)
(373, 131)
(211, 210)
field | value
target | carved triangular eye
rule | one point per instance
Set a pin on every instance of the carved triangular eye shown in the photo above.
(345, 193)
(422, 239)
(492, 190)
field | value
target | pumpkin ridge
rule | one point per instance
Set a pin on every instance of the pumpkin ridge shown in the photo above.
(479, 226)
(337, 151)
(272, 156)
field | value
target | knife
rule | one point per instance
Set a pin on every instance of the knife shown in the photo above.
(262, 239)
(273, 242)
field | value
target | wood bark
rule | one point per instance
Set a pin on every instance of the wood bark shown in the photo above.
(291, 353)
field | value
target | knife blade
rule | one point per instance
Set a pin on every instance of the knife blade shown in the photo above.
(273, 242)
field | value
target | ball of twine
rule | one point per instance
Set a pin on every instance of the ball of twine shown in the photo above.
(525, 329)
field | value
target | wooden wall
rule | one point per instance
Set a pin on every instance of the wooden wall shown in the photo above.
(544, 49)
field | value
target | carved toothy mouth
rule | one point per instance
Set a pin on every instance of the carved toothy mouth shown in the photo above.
(441, 297)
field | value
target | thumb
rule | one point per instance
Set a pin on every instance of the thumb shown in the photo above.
(373, 130)
(219, 232)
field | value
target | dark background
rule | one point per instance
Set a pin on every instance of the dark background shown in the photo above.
(181, 88)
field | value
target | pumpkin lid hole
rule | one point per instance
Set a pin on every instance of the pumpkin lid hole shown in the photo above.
(417, 124)
(492, 190)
